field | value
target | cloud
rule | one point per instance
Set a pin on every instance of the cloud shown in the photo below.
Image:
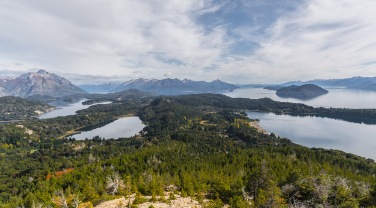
(168, 74)
(114, 37)
(318, 40)
(238, 41)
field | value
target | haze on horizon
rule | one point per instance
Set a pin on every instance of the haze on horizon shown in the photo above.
(238, 41)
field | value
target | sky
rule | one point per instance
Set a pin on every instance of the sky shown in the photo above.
(238, 41)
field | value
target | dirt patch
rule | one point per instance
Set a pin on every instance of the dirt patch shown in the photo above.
(256, 125)
(205, 123)
(179, 202)
(116, 203)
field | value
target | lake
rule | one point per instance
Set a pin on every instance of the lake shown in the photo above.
(359, 139)
(336, 98)
(121, 128)
(66, 110)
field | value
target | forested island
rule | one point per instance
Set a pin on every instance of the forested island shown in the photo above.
(201, 146)
(303, 92)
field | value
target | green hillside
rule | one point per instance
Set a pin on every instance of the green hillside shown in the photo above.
(193, 145)
(14, 108)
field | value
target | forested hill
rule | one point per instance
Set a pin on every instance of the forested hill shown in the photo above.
(14, 108)
(367, 116)
(197, 146)
(303, 92)
(131, 94)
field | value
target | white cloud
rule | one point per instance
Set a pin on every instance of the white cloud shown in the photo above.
(108, 37)
(318, 39)
(322, 39)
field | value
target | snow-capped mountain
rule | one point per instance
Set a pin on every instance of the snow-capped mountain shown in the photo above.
(175, 86)
(38, 83)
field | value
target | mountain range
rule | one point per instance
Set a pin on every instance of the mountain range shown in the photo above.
(163, 87)
(361, 83)
(99, 88)
(43, 83)
(38, 83)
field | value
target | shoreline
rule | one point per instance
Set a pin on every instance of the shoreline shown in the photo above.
(256, 125)
(76, 131)
(125, 116)
(70, 133)
(10, 121)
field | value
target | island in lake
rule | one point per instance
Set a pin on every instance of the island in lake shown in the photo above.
(304, 92)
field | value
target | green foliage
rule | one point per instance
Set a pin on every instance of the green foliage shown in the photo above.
(214, 204)
(172, 196)
(14, 108)
(139, 199)
(239, 202)
(200, 147)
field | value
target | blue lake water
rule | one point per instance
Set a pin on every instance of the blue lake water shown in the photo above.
(67, 110)
(359, 139)
(121, 128)
(336, 98)
(327, 133)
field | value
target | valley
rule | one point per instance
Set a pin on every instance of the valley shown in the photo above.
(188, 104)
(203, 145)
(210, 148)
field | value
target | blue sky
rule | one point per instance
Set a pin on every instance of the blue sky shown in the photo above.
(239, 41)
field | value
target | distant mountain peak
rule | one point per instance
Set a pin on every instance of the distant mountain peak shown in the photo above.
(39, 83)
(355, 82)
(218, 81)
(173, 86)
(42, 71)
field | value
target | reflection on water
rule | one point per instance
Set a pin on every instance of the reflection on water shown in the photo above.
(121, 128)
(336, 98)
(359, 139)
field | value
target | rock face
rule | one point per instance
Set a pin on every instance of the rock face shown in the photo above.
(175, 86)
(38, 83)
(304, 92)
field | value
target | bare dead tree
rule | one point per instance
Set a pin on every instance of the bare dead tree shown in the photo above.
(62, 199)
(113, 183)
(37, 205)
(76, 202)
